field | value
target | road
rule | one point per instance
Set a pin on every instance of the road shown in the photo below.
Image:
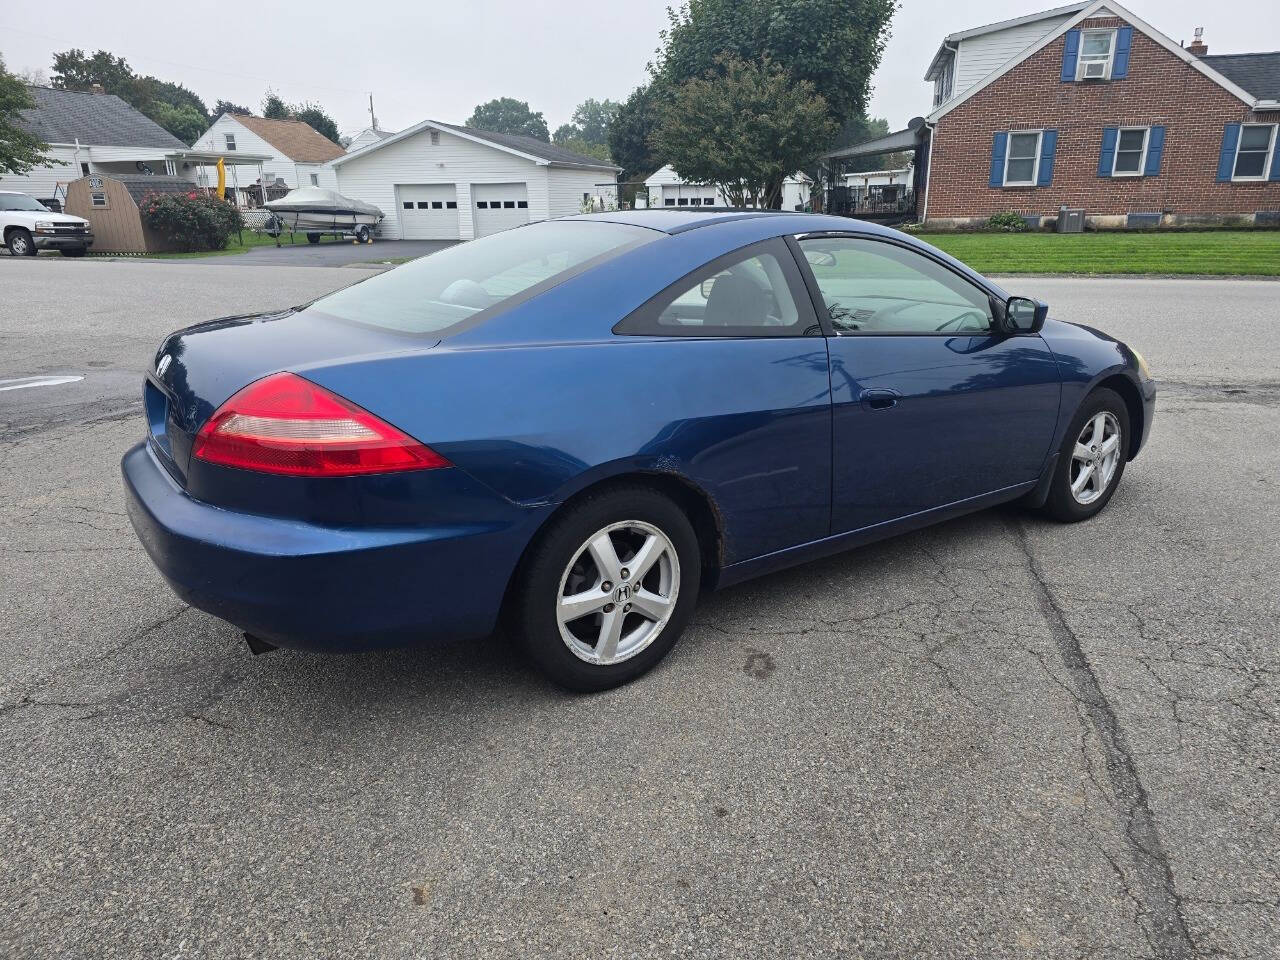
(997, 738)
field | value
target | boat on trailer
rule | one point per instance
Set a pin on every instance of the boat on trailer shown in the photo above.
(315, 211)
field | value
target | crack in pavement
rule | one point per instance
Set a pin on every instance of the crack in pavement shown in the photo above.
(1155, 893)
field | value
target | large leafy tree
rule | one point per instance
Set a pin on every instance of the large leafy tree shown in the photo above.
(312, 114)
(860, 129)
(19, 150)
(630, 132)
(836, 45)
(744, 126)
(589, 124)
(508, 115)
(273, 108)
(171, 105)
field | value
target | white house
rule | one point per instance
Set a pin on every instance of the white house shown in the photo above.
(437, 181)
(98, 133)
(367, 136)
(880, 186)
(667, 189)
(297, 154)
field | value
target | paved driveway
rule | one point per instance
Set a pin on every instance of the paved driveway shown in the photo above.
(997, 738)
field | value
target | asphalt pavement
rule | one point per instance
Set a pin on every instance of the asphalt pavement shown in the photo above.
(1000, 737)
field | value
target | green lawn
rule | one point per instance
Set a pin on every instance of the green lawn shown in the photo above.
(1217, 252)
(251, 240)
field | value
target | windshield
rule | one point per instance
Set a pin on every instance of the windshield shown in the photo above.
(20, 201)
(456, 284)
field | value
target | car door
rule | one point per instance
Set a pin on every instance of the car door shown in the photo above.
(736, 366)
(931, 403)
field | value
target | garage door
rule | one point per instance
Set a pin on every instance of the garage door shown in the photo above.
(428, 211)
(687, 195)
(499, 206)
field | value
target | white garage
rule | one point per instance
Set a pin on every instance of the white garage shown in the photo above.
(428, 211)
(499, 206)
(437, 181)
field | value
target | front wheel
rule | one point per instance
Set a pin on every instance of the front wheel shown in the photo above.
(20, 243)
(1092, 458)
(608, 588)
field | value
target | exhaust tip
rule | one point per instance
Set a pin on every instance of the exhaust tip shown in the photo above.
(258, 646)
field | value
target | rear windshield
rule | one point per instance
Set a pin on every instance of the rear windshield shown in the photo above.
(460, 282)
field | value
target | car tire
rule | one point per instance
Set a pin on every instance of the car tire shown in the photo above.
(313, 238)
(20, 243)
(73, 251)
(1091, 460)
(561, 564)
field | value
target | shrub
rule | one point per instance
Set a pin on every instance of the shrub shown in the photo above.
(1008, 222)
(191, 221)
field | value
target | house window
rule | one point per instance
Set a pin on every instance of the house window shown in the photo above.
(424, 204)
(522, 204)
(482, 204)
(684, 202)
(1131, 152)
(670, 201)
(435, 138)
(437, 205)
(1253, 153)
(510, 204)
(451, 204)
(1097, 53)
(408, 204)
(315, 180)
(98, 199)
(696, 201)
(1022, 162)
(84, 169)
(231, 141)
(709, 201)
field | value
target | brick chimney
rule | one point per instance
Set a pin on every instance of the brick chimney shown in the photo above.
(97, 89)
(1198, 47)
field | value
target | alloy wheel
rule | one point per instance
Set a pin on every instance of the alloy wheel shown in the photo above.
(618, 592)
(1095, 457)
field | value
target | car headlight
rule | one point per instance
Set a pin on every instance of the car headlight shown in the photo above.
(1143, 370)
(44, 224)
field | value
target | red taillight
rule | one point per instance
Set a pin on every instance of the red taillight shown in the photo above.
(285, 424)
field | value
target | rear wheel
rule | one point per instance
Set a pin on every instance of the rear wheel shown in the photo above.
(608, 588)
(313, 238)
(20, 243)
(363, 235)
(1091, 461)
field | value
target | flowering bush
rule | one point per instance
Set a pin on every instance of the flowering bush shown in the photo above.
(191, 221)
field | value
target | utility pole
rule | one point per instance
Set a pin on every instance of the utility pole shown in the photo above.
(372, 118)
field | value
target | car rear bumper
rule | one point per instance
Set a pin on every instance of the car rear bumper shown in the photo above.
(332, 589)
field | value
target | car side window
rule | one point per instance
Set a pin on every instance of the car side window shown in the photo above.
(874, 287)
(750, 293)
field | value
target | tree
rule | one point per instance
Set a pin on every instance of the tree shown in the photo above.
(169, 104)
(835, 45)
(858, 130)
(507, 115)
(33, 78)
(630, 132)
(577, 145)
(744, 127)
(19, 150)
(590, 123)
(226, 106)
(273, 108)
(313, 115)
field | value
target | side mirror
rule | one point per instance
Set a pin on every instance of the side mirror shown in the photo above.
(1024, 315)
(705, 286)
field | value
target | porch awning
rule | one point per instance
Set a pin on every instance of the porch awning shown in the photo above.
(890, 143)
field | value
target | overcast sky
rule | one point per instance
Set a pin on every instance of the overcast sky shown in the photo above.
(436, 60)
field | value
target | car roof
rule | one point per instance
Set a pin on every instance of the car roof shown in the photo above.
(681, 220)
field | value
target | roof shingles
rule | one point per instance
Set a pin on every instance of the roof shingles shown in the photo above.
(1256, 73)
(296, 140)
(95, 119)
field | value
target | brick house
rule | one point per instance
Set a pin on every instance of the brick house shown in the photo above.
(1087, 106)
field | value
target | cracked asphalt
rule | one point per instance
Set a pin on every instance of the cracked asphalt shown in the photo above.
(1000, 737)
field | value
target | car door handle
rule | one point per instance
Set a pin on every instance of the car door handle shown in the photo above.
(880, 399)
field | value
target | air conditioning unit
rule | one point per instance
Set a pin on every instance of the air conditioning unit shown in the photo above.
(1094, 70)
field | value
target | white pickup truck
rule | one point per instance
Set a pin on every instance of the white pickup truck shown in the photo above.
(27, 226)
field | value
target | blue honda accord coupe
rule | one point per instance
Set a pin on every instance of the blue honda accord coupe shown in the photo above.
(578, 425)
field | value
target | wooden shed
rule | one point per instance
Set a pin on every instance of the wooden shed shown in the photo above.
(110, 204)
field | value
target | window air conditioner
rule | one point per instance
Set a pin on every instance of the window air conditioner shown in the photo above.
(1095, 70)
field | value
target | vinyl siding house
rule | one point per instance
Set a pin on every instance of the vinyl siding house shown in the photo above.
(437, 181)
(1089, 107)
(94, 133)
(297, 154)
(367, 136)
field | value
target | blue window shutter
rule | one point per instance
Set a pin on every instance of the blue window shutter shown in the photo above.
(1155, 149)
(1227, 158)
(1070, 53)
(1275, 158)
(1106, 159)
(1124, 40)
(998, 146)
(1048, 147)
